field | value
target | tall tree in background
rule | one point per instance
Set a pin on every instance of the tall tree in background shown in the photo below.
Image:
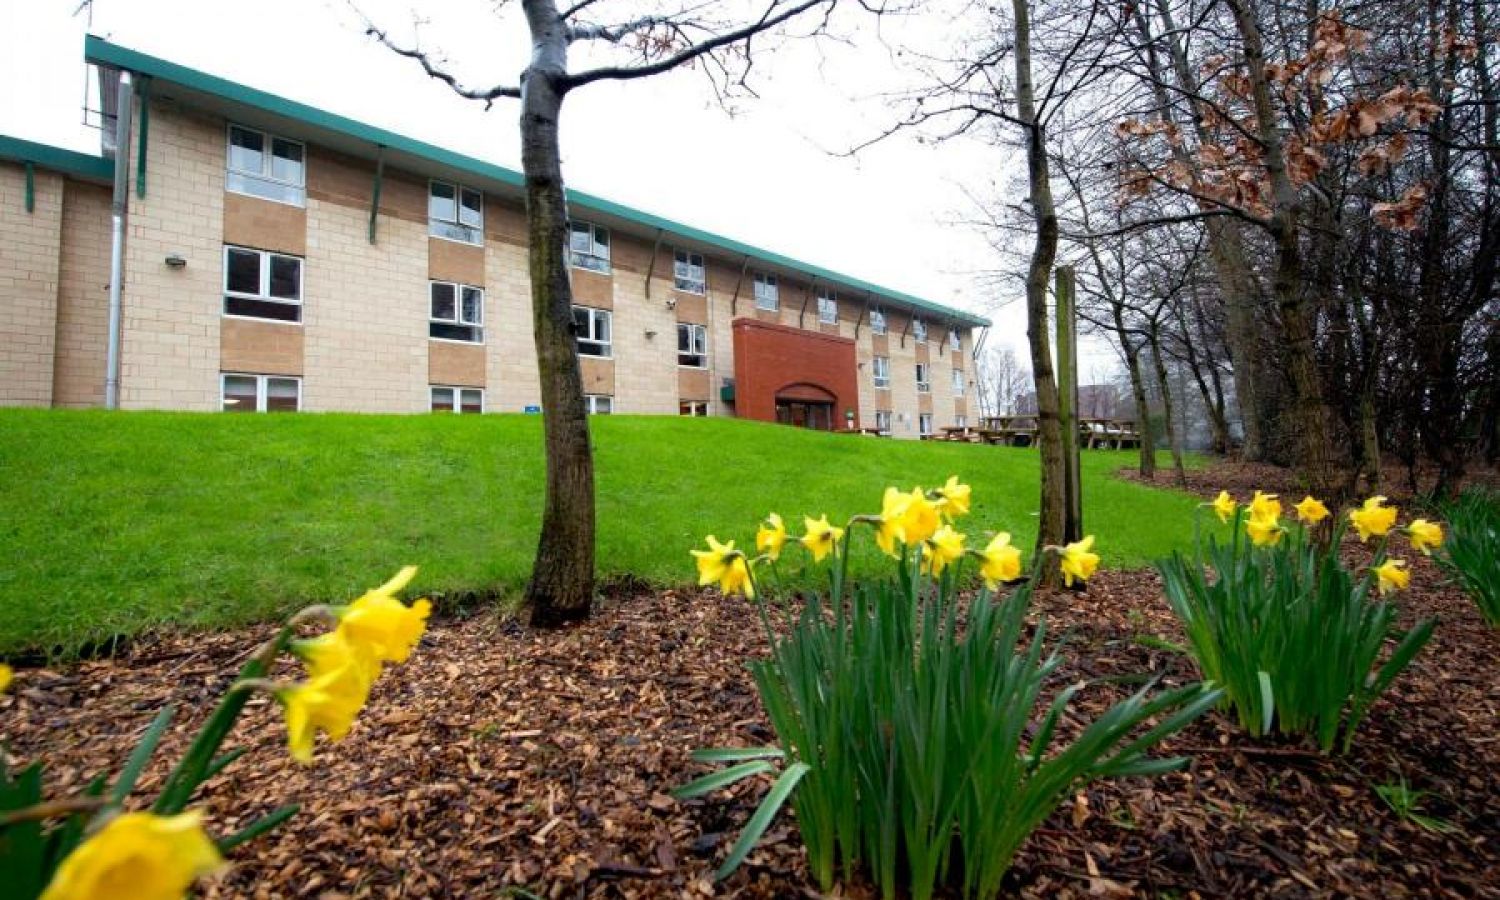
(646, 39)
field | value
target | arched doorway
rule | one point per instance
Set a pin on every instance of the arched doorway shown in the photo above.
(805, 406)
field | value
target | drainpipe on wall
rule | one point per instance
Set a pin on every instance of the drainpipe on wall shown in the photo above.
(118, 207)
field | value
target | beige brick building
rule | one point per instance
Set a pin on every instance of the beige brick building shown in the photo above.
(278, 257)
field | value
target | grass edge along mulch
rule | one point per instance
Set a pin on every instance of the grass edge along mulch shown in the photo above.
(500, 762)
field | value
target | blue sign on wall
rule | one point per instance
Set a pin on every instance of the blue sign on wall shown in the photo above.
(533, 409)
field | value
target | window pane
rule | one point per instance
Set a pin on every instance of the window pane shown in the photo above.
(441, 202)
(242, 271)
(601, 242)
(442, 399)
(473, 306)
(472, 334)
(281, 395)
(601, 327)
(471, 208)
(472, 400)
(278, 310)
(580, 237)
(247, 150)
(444, 302)
(581, 321)
(604, 405)
(239, 393)
(286, 277)
(684, 339)
(286, 161)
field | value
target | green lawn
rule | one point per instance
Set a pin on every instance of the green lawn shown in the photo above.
(112, 524)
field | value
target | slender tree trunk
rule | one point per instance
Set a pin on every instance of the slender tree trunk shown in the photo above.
(1137, 393)
(1164, 386)
(1315, 457)
(1044, 212)
(561, 589)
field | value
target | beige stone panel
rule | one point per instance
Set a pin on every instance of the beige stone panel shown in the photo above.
(633, 254)
(510, 348)
(691, 307)
(645, 348)
(594, 289)
(598, 375)
(366, 313)
(269, 348)
(404, 196)
(922, 352)
(880, 344)
(924, 405)
(961, 408)
(29, 275)
(334, 177)
(797, 307)
(169, 350)
(460, 364)
(82, 296)
(454, 261)
(693, 384)
(264, 224)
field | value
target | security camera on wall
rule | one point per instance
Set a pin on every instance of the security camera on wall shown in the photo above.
(671, 303)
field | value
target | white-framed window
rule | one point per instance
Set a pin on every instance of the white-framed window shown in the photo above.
(455, 212)
(593, 327)
(828, 306)
(446, 398)
(695, 408)
(598, 404)
(955, 340)
(924, 378)
(958, 382)
(877, 321)
(883, 421)
(455, 312)
(244, 392)
(588, 246)
(767, 295)
(266, 166)
(919, 330)
(924, 424)
(259, 284)
(880, 367)
(692, 345)
(688, 272)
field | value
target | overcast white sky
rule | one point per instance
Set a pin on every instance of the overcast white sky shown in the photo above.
(766, 174)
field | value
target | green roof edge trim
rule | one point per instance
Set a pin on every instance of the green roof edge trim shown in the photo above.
(57, 159)
(102, 52)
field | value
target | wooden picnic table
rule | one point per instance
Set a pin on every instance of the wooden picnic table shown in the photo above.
(1010, 430)
(1108, 433)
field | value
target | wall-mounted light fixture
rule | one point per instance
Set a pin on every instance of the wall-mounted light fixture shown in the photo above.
(176, 261)
(650, 334)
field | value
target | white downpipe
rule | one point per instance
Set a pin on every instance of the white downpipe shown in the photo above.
(118, 208)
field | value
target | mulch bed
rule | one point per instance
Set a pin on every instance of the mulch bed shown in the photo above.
(504, 763)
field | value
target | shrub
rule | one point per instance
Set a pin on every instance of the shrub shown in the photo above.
(84, 847)
(914, 747)
(1472, 552)
(1291, 635)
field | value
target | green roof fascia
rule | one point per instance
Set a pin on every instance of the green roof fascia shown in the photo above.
(57, 159)
(102, 52)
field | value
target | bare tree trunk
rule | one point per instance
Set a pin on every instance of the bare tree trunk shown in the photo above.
(1044, 212)
(1137, 393)
(1309, 412)
(1166, 404)
(561, 589)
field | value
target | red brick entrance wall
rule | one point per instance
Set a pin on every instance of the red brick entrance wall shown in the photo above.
(769, 357)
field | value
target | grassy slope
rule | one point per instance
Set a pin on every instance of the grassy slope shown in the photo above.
(113, 524)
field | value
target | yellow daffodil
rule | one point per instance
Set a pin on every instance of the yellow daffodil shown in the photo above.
(1311, 510)
(1392, 575)
(723, 564)
(1264, 532)
(771, 537)
(1373, 518)
(6, 674)
(1224, 506)
(821, 538)
(945, 547)
(1001, 561)
(953, 498)
(1265, 507)
(888, 530)
(1425, 536)
(1078, 563)
(333, 651)
(383, 627)
(329, 702)
(137, 855)
(920, 519)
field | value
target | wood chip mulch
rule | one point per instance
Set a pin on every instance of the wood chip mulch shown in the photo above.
(504, 763)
